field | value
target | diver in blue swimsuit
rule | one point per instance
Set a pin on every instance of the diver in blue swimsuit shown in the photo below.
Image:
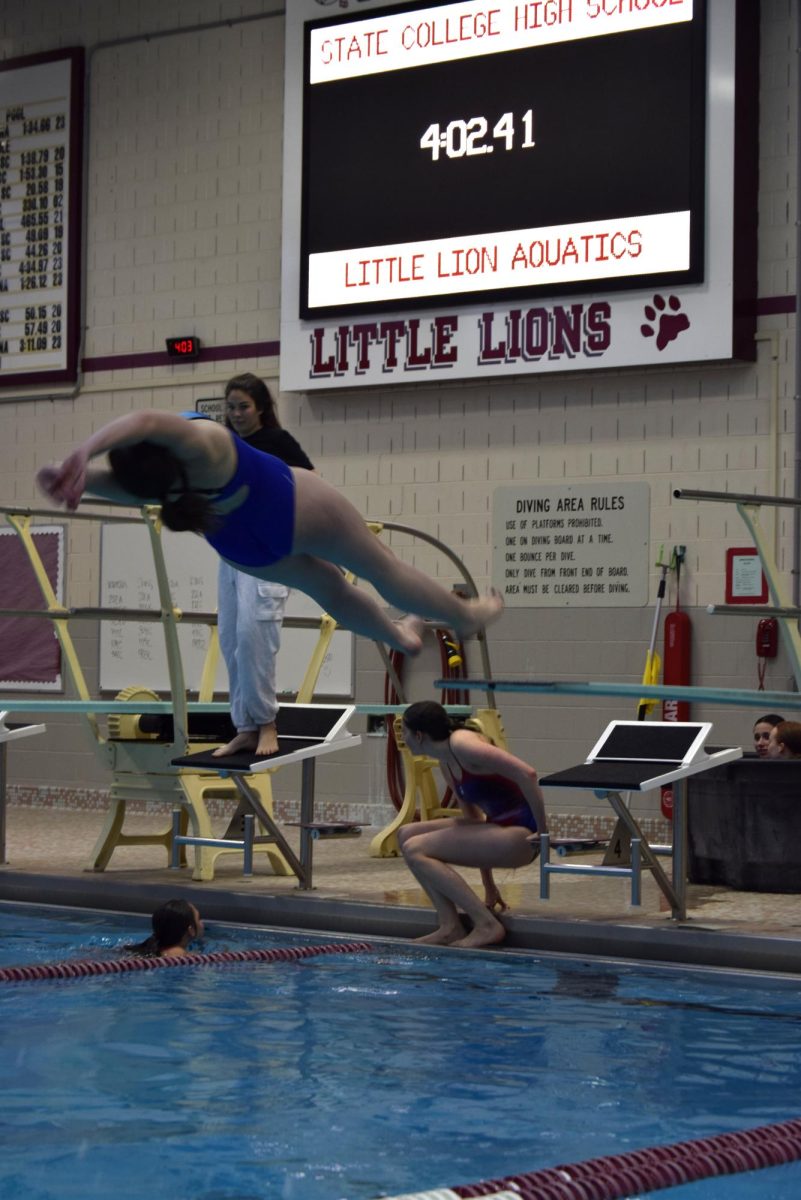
(503, 813)
(211, 482)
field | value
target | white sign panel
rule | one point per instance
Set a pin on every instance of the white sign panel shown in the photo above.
(640, 245)
(466, 30)
(574, 546)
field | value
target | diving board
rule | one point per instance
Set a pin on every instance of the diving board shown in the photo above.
(135, 707)
(741, 697)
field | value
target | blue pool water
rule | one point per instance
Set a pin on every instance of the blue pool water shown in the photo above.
(355, 1076)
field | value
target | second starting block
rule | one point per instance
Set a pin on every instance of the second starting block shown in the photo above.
(636, 756)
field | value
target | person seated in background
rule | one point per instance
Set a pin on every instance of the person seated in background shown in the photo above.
(175, 925)
(762, 728)
(785, 740)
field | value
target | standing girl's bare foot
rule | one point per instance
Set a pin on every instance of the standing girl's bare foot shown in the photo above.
(242, 741)
(267, 742)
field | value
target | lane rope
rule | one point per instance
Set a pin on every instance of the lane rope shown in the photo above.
(81, 968)
(617, 1176)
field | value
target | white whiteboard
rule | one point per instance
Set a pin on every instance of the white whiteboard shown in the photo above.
(133, 654)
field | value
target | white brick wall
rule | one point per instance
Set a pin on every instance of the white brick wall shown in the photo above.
(183, 235)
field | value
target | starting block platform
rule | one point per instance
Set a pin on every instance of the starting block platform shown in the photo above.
(305, 732)
(639, 756)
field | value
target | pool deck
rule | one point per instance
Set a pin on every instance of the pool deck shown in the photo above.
(376, 897)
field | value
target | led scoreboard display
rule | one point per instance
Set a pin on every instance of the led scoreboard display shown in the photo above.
(468, 151)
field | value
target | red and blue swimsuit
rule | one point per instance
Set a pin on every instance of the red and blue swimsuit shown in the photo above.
(501, 800)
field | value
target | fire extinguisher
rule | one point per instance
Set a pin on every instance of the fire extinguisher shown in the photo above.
(677, 664)
(767, 646)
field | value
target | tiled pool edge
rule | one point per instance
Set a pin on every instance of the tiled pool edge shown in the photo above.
(687, 944)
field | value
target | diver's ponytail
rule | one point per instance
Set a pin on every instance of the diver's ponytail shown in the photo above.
(189, 512)
(152, 471)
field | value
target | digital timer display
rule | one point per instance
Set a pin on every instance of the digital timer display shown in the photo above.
(183, 347)
(464, 151)
(460, 138)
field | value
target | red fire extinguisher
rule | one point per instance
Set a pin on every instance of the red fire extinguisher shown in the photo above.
(677, 664)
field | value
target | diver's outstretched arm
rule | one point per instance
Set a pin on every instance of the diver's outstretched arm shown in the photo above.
(205, 452)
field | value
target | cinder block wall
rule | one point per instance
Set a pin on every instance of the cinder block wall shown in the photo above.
(183, 233)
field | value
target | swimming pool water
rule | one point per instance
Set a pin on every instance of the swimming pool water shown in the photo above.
(358, 1076)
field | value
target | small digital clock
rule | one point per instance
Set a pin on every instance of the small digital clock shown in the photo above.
(183, 347)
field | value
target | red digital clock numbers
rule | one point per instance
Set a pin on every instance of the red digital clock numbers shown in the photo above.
(183, 347)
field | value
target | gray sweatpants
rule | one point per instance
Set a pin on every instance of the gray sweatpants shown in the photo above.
(249, 616)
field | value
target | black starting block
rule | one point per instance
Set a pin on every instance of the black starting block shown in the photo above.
(305, 732)
(638, 756)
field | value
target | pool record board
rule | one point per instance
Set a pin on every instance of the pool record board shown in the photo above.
(41, 126)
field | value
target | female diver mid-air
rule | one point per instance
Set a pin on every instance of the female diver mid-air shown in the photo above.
(265, 518)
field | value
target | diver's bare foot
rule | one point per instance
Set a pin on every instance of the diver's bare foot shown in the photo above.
(410, 634)
(268, 739)
(483, 934)
(446, 935)
(480, 613)
(242, 741)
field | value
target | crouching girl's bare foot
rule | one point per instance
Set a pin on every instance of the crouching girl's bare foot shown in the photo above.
(243, 741)
(446, 935)
(410, 634)
(483, 933)
(480, 613)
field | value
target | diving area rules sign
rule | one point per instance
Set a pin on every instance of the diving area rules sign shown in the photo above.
(576, 546)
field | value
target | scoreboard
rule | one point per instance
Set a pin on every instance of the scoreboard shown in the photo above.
(475, 188)
(468, 150)
(41, 118)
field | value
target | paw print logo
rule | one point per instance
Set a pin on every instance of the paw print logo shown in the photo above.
(666, 315)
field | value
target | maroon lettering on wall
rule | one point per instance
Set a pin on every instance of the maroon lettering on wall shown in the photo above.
(530, 335)
(397, 345)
